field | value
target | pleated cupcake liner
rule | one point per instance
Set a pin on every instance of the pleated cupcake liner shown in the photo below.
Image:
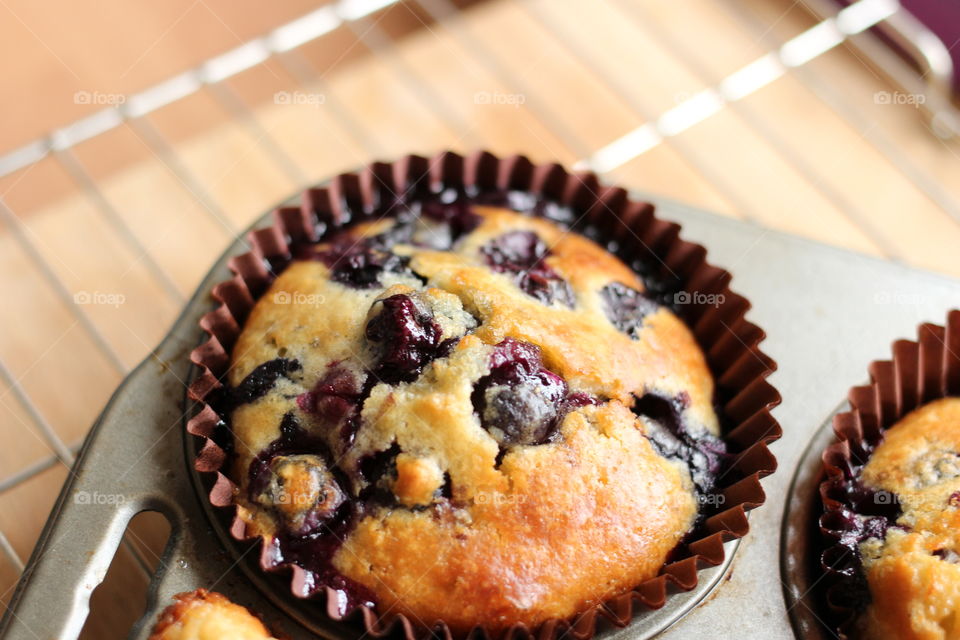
(716, 317)
(919, 372)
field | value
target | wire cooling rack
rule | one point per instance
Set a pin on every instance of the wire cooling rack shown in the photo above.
(752, 108)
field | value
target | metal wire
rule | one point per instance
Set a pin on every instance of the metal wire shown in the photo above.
(23, 238)
(768, 130)
(155, 141)
(243, 113)
(685, 150)
(372, 36)
(445, 12)
(851, 113)
(78, 172)
(296, 64)
(33, 470)
(10, 553)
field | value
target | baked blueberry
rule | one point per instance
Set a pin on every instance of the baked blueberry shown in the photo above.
(407, 336)
(522, 254)
(520, 401)
(626, 307)
(360, 262)
(335, 396)
(703, 453)
(302, 490)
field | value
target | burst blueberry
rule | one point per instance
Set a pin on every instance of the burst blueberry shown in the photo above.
(521, 402)
(703, 453)
(523, 254)
(626, 307)
(407, 336)
(360, 262)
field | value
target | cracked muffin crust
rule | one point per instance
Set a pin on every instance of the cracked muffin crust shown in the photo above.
(464, 413)
(912, 562)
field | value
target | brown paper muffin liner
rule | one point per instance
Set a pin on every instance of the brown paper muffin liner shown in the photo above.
(647, 243)
(921, 371)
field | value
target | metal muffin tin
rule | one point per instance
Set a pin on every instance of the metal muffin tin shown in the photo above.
(800, 548)
(827, 312)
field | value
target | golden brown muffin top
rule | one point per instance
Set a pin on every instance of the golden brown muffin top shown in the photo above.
(207, 615)
(914, 572)
(475, 416)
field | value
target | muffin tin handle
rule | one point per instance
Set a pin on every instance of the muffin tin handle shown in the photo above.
(125, 467)
(67, 564)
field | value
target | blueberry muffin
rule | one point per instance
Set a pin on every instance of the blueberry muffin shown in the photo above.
(459, 412)
(911, 559)
(205, 615)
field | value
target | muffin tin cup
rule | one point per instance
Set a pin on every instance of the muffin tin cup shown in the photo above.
(715, 314)
(920, 371)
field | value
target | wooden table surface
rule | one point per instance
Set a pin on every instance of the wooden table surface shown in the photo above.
(102, 241)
